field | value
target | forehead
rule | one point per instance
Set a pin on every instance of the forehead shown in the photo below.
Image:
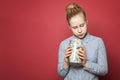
(77, 20)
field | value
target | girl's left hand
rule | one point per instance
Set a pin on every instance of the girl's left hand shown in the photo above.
(82, 55)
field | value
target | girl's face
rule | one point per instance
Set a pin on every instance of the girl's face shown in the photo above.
(78, 25)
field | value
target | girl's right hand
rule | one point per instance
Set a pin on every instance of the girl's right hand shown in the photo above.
(67, 54)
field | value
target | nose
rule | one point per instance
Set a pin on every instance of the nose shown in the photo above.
(79, 30)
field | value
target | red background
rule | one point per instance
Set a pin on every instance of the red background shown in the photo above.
(31, 30)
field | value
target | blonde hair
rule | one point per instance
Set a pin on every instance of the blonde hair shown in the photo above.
(73, 9)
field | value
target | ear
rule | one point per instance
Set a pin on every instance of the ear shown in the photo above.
(87, 21)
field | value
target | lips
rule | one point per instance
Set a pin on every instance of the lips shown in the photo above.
(80, 35)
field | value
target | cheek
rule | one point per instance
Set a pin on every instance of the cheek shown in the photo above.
(74, 31)
(84, 29)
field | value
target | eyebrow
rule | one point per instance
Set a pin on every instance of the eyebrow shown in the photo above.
(79, 25)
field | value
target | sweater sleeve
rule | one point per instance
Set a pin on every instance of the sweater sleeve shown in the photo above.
(101, 67)
(61, 70)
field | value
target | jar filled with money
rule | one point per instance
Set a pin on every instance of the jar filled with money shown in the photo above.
(74, 58)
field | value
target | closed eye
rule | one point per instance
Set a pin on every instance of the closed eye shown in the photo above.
(75, 27)
(82, 25)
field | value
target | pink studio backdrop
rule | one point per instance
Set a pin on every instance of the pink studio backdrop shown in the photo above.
(31, 30)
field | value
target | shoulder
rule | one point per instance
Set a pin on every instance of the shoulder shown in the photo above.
(95, 38)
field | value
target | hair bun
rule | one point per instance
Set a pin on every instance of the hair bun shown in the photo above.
(73, 9)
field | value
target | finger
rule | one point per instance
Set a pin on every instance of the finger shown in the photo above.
(69, 52)
(67, 55)
(83, 58)
(68, 49)
(82, 48)
(81, 54)
(80, 51)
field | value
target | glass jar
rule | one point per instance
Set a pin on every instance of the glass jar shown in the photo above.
(74, 58)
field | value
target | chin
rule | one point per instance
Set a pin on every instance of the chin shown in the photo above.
(81, 37)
